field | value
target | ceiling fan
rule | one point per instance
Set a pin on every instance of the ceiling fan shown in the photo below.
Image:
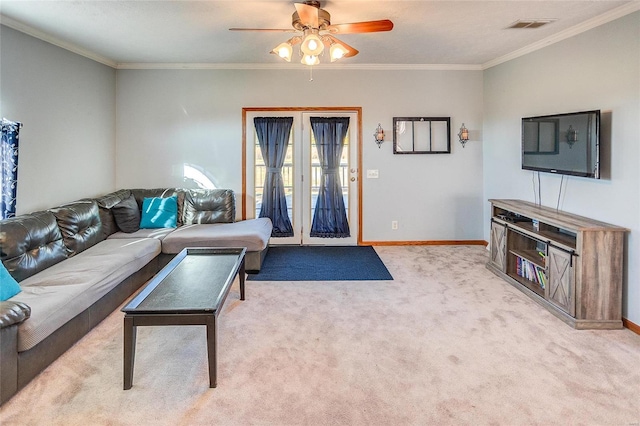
(318, 33)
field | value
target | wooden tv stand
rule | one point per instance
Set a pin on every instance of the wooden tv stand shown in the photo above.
(570, 264)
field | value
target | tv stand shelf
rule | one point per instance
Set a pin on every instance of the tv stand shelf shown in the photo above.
(530, 255)
(570, 264)
(528, 284)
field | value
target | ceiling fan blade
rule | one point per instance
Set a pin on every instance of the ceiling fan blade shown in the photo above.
(351, 51)
(361, 27)
(308, 14)
(278, 30)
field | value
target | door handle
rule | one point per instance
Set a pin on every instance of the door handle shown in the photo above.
(353, 179)
(353, 170)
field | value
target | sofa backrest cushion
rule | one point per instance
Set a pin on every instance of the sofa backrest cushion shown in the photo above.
(209, 206)
(105, 203)
(30, 243)
(141, 194)
(80, 225)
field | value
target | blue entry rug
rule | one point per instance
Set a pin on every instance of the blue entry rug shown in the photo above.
(322, 263)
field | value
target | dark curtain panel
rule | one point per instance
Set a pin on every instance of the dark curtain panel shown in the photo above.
(330, 216)
(273, 136)
(9, 153)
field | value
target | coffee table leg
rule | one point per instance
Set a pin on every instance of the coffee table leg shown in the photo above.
(242, 275)
(129, 351)
(212, 348)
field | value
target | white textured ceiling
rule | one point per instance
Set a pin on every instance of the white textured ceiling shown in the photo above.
(464, 33)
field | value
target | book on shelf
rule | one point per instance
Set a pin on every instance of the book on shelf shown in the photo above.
(542, 277)
(531, 271)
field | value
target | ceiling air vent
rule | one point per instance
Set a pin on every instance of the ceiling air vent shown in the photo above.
(530, 23)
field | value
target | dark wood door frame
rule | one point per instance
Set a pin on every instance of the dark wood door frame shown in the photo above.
(357, 110)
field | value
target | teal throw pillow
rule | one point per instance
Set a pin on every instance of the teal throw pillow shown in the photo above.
(159, 212)
(9, 287)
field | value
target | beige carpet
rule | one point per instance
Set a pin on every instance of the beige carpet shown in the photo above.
(447, 342)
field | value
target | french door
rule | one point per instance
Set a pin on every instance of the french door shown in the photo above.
(301, 174)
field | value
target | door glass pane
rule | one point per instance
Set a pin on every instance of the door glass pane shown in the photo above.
(287, 177)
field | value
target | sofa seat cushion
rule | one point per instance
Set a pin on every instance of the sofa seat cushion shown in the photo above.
(253, 234)
(66, 289)
(157, 233)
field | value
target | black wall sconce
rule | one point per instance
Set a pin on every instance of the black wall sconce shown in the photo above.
(379, 135)
(463, 135)
(572, 136)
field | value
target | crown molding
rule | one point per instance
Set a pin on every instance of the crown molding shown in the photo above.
(19, 26)
(286, 66)
(612, 15)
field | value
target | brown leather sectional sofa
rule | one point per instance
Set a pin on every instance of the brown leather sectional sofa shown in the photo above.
(75, 267)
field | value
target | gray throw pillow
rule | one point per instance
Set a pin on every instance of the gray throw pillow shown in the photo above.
(127, 215)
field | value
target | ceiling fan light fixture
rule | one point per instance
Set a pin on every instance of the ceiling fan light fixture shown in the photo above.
(316, 34)
(337, 51)
(284, 50)
(312, 44)
(310, 60)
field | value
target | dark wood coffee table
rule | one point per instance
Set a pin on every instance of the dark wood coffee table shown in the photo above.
(190, 290)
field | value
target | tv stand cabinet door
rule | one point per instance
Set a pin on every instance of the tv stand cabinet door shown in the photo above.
(562, 280)
(499, 246)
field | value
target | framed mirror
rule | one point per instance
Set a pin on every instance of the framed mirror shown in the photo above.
(421, 135)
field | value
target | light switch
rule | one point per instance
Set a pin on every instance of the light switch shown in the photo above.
(372, 174)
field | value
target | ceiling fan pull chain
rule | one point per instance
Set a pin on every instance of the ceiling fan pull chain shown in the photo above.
(310, 73)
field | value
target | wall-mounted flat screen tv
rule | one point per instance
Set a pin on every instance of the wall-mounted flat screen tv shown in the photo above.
(566, 144)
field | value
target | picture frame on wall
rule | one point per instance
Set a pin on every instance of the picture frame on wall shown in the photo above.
(421, 135)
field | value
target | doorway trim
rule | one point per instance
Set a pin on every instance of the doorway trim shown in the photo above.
(356, 110)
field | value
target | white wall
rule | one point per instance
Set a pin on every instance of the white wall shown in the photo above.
(67, 106)
(599, 69)
(169, 117)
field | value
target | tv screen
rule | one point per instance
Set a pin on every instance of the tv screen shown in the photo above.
(563, 143)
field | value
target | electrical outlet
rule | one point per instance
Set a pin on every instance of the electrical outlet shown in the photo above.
(394, 224)
(372, 174)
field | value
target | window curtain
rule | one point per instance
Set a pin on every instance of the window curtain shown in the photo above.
(9, 152)
(273, 137)
(330, 216)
